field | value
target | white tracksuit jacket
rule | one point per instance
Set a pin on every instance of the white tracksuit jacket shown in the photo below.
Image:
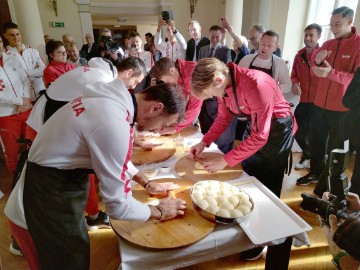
(33, 65)
(93, 131)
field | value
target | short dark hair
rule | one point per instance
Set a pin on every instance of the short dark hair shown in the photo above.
(272, 33)
(148, 35)
(215, 28)
(9, 25)
(134, 34)
(51, 46)
(161, 67)
(315, 26)
(345, 12)
(135, 63)
(259, 28)
(171, 97)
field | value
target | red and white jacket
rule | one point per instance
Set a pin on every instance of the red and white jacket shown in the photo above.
(91, 132)
(193, 106)
(14, 86)
(301, 74)
(174, 51)
(344, 60)
(29, 59)
(259, 96)
(54, 70)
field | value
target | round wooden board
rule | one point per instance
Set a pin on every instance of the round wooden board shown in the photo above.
(185, 168)
(186, 132)
(157, 154)
(180, 232)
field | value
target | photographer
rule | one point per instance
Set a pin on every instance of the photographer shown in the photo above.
(344, 239)
(108, 48)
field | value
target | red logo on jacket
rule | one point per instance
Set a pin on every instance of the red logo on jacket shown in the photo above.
(77, 106)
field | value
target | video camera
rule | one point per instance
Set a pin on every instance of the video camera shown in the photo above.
(337, 186)
(109, 44)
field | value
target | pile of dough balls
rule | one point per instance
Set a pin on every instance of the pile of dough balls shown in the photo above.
(221, 199)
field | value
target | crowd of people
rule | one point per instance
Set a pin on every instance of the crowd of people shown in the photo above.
(74, 109)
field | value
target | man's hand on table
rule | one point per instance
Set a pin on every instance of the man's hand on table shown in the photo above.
(168, 208)
(160, 188)
(215, 165)
(196, 150)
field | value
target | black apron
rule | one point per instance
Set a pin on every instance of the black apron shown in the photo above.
(52, 106)
(270, 163)
(54, 203)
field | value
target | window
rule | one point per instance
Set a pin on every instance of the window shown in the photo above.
(320, 13)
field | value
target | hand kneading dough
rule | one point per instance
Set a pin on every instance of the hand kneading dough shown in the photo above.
(199, 166)
(223, 213)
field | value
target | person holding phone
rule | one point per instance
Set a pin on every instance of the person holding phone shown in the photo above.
(175, 46)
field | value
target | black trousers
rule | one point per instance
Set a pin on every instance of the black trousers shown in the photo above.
(326, 135)
(54, 203)
(303, 114)
(207, 116)
(268, 164)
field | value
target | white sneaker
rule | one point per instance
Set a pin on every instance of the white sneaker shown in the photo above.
(303, 164)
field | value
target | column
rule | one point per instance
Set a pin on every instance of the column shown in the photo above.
(85, 18)
(25, 13)
(234, 14)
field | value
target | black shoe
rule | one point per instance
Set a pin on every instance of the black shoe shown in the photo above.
(101, 222)
(307, 179)
(252, 254)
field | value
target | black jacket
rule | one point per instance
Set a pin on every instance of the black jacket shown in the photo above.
(191, 48)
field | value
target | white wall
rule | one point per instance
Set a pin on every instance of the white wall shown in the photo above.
(68, 13)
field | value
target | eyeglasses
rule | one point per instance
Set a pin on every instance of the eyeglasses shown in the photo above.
(63, 53)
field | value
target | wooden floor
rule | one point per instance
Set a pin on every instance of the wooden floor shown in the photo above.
(105, 248)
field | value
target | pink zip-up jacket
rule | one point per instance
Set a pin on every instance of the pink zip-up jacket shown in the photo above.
(301, 74)
(344, 60)
(54, 70)
(184, 83)
(259, 96)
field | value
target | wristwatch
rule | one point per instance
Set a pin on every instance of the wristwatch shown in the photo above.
(337, 257)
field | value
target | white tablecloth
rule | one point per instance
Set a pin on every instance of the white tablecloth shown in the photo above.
(225, 240)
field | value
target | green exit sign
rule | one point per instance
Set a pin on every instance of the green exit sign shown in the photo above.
(57, 24)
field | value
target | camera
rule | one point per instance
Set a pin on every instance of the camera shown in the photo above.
(109, 44)
(167, 15)
(337, 186)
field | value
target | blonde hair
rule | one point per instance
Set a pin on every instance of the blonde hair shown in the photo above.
(205, 73)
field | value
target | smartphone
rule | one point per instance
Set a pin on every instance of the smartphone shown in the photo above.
(167, 15)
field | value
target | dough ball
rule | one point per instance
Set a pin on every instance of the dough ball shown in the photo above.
(203, 204)
(244, 209)
(212, 209)
(224, 186)
(199, 166)
(221, 200)
(235, 213)
(235, 190)
(211, 192)
(233, 200)
(215, 184)
(211, 200)
(197, 196)
(226, 205)
(225, 192)
(243, 196)
(200, 189)
(223, 213)
(247, 203)
(205, 184)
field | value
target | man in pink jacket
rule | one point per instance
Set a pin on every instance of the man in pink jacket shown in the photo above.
(178, 73)
(334, 64)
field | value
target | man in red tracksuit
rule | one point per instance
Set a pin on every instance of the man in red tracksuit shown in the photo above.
(335, 64)
(304, 85)
(178, 73)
